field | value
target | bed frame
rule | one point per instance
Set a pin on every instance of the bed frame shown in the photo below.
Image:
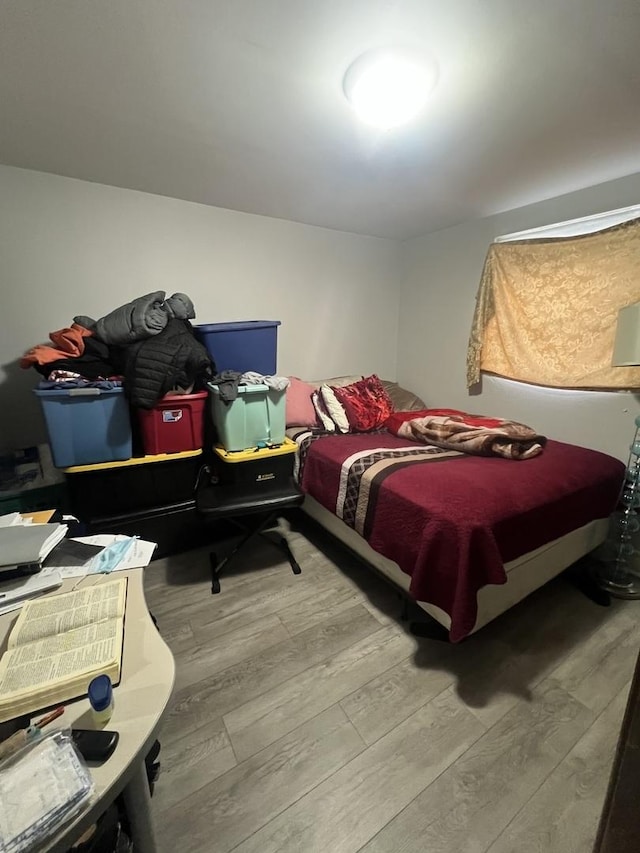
(524, 575)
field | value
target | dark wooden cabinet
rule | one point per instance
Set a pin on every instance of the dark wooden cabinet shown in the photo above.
(619, 829)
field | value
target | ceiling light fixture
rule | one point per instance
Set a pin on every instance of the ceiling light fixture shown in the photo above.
(388, 88)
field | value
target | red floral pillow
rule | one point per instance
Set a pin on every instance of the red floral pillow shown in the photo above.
(365, 405)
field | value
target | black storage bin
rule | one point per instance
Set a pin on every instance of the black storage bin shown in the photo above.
(253, 470)
(133, 486)
(175, 528)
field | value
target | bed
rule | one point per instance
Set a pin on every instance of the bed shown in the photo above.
(466, 536)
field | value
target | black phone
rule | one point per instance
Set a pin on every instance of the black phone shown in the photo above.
(95, 745)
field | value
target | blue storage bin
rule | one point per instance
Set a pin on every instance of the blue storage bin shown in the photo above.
(86, 425)
(256, 418)
(243, 346)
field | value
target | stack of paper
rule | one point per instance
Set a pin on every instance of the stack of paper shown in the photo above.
(14, 593)
(26, 546)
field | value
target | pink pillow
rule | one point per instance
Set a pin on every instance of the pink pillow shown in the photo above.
(299, 408)
(365, 404)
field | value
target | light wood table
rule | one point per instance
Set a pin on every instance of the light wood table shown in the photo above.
(141, 698)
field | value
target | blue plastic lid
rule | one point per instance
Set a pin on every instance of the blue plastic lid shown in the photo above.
(76, 392)
(100, 692)
(239, 326)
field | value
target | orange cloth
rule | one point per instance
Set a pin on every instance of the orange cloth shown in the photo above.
(69, 343)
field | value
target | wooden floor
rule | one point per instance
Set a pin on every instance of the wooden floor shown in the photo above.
(306, 718)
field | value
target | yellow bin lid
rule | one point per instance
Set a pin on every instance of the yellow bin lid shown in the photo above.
(253, 453)
(135, 460)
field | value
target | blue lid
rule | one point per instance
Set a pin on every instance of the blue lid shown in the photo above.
(238, 326)
(76, 392)
(100, 692)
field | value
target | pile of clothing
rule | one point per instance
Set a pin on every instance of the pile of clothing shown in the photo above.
(229, 380)
(148, 345)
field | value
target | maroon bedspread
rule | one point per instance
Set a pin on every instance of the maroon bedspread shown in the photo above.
(451, 522)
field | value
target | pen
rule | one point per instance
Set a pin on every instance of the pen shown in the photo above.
(49, 718)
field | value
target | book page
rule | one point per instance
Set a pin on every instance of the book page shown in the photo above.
(58, 614)
(63, 659)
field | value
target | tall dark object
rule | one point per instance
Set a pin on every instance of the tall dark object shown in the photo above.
(619, 829)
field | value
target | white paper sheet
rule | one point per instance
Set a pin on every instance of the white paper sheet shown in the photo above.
(14, 593)
(14, 519)
(138, 556)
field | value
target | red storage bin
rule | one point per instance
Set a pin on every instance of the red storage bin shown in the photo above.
(175, 423)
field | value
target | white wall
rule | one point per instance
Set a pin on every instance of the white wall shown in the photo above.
(441, 276)
(70, 247)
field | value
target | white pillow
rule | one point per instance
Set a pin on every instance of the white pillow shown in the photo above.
(334, 408)
(321, 410)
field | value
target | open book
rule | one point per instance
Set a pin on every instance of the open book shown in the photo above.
(59, 644)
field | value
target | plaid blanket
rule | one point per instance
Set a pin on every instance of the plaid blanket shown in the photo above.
(475, 434)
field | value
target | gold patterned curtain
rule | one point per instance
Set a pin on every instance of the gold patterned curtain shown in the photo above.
(546, 309)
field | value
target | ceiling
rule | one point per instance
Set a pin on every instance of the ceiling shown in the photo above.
(239, 103)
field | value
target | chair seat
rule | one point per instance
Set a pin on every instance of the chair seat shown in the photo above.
(234, 502)
(227, 501)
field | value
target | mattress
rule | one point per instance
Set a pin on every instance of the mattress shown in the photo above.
(523, 575)
(453, 523)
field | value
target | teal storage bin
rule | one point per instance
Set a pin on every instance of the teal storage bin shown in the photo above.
(256, 418)
(86, 425)
(249, 345)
